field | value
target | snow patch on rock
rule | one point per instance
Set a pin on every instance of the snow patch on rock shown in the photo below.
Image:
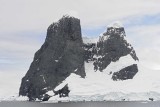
(50, 93)
(121, 63)
(116, 24)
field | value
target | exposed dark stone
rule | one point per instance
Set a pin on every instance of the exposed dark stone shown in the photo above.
(46, 97)
(125, 73)
(90, 51)
(151, 99)
(58, 57)
(64, 92)
(123, 99)
(111, 46)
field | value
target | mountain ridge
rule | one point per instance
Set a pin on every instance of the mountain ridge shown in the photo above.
(64, 53)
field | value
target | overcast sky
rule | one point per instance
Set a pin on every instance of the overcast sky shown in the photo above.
(23, 25)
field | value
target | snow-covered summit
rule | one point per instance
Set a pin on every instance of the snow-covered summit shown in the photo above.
(116, 24)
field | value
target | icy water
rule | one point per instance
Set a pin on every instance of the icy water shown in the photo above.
(81, 104)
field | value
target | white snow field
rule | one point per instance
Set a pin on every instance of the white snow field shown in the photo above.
(98, 86)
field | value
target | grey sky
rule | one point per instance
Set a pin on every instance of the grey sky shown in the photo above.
(23, 26)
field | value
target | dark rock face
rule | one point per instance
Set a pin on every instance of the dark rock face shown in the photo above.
(60, 55)
(125, 73)
(46, 97)
(90, 51)
(110, 48)
(64, 92)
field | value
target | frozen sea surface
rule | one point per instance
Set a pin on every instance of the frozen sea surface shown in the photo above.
(82, 104)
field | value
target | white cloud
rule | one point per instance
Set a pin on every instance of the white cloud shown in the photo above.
(19, 45)
(10, 83)
(145, 35)
(17, 50)
(145, 40)
(38, 14)
(73, 13)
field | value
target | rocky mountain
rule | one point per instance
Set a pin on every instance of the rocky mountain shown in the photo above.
(112, 45)
(60, 55)
(64, 59)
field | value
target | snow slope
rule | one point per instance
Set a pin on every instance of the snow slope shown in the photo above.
(98, 86)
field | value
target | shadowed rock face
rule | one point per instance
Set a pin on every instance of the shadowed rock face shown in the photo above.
(64, 92)
(60, 55)
(111, 46)
(90, 51)
(125, 73)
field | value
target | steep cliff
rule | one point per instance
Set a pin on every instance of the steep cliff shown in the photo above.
(60, 55)
(109, 49)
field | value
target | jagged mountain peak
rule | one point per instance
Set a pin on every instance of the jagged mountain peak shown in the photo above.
(65, 20)
(110, 48)
(70, 16)
(60, 55)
